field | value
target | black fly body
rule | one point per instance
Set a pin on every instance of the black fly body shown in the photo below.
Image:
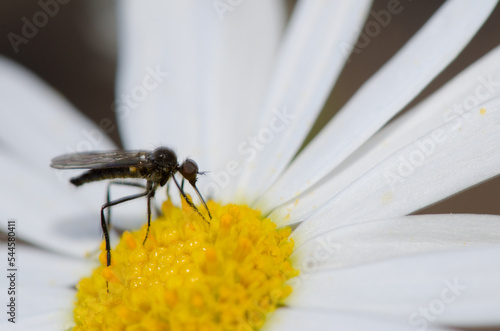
(156, 167)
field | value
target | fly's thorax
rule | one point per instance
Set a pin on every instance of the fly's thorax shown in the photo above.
(158, 165)
(164, 158)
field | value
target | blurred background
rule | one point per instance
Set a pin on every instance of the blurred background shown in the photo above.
(75, 52)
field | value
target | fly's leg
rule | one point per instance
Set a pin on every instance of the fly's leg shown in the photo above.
(108, 195)
(149, 196)
(202, 200)
(125, 183)
(149, 189)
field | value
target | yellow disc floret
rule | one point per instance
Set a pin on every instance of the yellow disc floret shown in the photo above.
(190, 275)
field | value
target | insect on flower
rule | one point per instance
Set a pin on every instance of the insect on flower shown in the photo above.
(156, 167)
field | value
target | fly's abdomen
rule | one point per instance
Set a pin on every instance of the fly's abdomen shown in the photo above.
(94, 175)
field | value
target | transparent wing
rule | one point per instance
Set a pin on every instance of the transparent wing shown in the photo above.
(90, 160)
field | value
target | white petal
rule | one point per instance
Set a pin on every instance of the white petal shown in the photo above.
(42, 268)
(474, 85)
(308, 64)
(453, 288)
(241, 51)
(44, 307)
(43, 214)
(445, 161)
(45, 288)
(374, 241)
(432, 48)
(39, 308)
(47, 321)
(291, 319)
(217, 64)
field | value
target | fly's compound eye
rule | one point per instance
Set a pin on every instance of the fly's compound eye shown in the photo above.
(189, 170)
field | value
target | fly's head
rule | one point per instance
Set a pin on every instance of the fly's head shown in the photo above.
(189, 170)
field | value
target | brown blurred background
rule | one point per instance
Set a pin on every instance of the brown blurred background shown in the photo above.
(75, 52)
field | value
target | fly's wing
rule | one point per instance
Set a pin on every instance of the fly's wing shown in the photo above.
(92, 160)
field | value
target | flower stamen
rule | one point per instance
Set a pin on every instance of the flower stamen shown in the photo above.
(190, 275)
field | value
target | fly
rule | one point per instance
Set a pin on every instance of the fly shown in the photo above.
(156, 167)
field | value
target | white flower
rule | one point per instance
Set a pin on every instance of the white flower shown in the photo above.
(238, 91)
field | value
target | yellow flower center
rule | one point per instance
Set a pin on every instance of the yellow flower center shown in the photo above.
(190, 275)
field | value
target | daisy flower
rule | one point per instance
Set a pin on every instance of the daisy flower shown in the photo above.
(237, 87)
